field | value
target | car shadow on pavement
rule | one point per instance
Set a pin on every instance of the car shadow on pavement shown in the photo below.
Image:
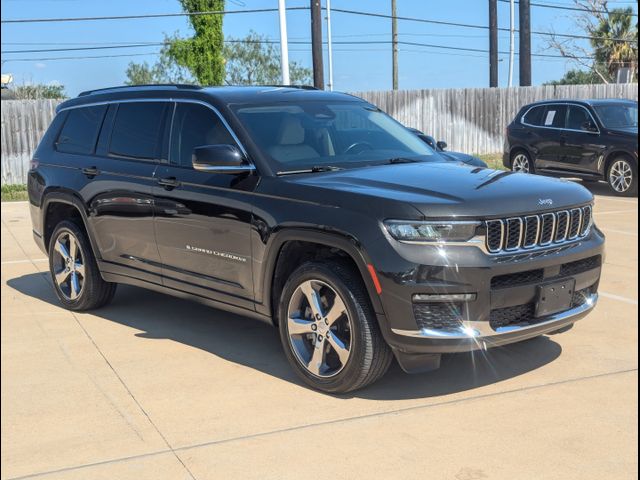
(256, 345)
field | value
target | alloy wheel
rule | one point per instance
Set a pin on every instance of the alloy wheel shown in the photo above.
(521, 163)
(621, 176)
(319, 328)
(68, 266)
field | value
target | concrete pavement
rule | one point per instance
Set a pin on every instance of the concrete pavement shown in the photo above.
(156, 387)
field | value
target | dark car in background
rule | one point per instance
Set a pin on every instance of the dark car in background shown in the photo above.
(588, 139)
(440, 148)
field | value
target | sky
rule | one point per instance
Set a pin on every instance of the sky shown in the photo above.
(363, 67)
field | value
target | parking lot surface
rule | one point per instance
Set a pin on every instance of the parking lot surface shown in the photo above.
(153, 387)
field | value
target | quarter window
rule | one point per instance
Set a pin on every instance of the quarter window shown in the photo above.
(137, 129)
(194, 126)
(534, 116)
(80, 131)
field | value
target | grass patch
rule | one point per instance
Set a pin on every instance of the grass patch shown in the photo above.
(14, 193)
(494, 160)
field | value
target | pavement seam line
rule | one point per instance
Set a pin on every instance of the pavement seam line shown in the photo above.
(332, 422)
(77, 320)
(618, 298)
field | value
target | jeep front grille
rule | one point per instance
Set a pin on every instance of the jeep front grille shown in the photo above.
(522, 233)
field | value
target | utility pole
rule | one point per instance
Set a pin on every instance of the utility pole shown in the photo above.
(284, 43)
(493, 43)
(394, 43)
(329, 45)
(525, 43)
(512, 40)
(316, 44)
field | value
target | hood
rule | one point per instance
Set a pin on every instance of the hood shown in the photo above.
(625, 132)
(462, 157)
(448, 189)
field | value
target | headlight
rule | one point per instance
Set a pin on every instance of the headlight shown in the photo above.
(407, 231)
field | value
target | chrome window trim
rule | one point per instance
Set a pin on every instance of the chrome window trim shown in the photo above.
(168, 100)
(560, 104)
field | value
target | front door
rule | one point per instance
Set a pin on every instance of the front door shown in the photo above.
(203, 220)
(581, 148)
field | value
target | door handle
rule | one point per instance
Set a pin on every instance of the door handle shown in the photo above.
(169, 183)
(90, 171)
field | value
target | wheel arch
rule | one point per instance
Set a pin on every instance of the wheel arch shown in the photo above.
(614, 154)
(288, 244)
(519, 149)
(61, 205)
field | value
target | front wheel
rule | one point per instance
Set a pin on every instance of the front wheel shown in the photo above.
(328, 328)
(521, 162)
(622, 177)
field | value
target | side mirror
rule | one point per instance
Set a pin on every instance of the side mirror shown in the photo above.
(220, 159)
(442, 145)
(589, 126)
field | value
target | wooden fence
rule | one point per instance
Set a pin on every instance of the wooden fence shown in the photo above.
(470, 120)
(23, 124)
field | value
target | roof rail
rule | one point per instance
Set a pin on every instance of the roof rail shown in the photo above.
(177, 86)
(301, 87)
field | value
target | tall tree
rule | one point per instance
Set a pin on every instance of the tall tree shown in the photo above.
(613, 40)
(252, 60)
(202, 53)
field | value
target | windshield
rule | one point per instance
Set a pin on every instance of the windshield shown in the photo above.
(618, 115)
(316, 134)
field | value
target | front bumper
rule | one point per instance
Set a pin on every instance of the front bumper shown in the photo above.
(496, 284)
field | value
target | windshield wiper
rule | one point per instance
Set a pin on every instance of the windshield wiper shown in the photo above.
(392, 161)
(314, 169)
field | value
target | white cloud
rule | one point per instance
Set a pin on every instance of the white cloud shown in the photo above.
(40, 65)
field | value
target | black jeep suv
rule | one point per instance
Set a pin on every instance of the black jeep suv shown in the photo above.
(589, 139)
(313, 211)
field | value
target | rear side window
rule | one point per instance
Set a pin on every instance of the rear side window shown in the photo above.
(194, 126)
(534, 116)
(577, 117)
(80, 131)
(137, 130)
(554, 116)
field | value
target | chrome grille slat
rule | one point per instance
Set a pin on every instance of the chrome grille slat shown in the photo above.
(529, 232)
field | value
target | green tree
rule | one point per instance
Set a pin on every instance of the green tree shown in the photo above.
(252, 60)
(202, 53)
(613, 40)
(577, 77)
(198, 59)
(38, 91)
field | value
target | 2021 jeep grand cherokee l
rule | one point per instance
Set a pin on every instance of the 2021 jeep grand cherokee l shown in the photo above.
(313, 211)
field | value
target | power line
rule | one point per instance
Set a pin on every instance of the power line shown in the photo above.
(149, 15)
(566, 7)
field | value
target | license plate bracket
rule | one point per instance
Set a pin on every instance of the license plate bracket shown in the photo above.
(555, 297)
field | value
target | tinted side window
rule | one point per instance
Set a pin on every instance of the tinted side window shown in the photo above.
(534, 116)
(577, 117)
(554, 116)
(137, 129)
(195, 125)
(80, 131)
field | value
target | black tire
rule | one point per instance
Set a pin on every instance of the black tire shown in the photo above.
(369, 355)
(623, 190)
(94, 291)
(526, 157)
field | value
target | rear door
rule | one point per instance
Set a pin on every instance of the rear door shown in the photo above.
(581, 148)
(203, 219)
(120, 192)
(548, 141)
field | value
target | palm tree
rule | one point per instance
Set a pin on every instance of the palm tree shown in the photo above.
(615, 41)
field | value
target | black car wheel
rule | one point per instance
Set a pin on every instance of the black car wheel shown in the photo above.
(622, 177)
(328, 328)
(74, 271)
(521, 162)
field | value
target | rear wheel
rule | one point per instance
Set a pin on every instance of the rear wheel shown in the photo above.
(328, 329)
(521, 162)
(622, 177)
(74, 270)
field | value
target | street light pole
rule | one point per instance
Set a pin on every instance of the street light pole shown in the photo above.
(284, 44)
(512, 43)
(329, 45)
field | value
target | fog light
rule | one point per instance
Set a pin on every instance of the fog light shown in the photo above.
(448, 297)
